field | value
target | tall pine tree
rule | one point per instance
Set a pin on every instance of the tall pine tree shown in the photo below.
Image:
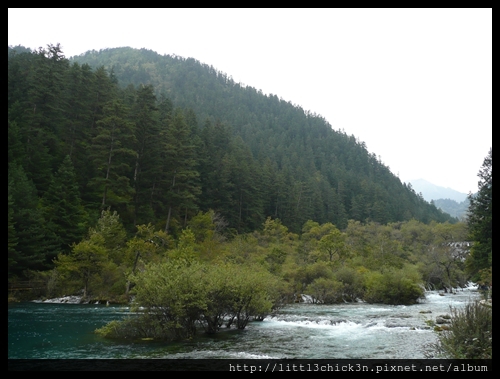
(147, 165)
(179, 184)
(63, 209)
(111, 150)
(480, 222)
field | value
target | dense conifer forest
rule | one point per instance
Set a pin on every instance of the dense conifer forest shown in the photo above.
(123, 158)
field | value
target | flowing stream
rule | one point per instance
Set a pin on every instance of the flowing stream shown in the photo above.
(43, 330)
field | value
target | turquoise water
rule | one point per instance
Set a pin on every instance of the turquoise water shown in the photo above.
(300, 331)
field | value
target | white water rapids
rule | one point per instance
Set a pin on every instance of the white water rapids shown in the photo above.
(62, 329)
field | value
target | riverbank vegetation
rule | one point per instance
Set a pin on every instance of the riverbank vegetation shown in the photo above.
(378, 263)
(469, 334)
(203, 281)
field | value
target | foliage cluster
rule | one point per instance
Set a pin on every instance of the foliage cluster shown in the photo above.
(365, 266)
(469, 335)
(394, 286)
(186, 287)
(176, 298)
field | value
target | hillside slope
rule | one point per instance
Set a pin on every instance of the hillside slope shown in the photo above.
(315, 171)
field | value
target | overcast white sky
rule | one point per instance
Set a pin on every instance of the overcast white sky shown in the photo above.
(414, 84)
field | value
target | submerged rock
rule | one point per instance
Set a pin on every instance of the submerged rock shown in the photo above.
(443, 319)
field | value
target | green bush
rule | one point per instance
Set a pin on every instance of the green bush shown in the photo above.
(394, 286)
(325, 291)
(302, 276)
(352, 283)
(469, 335)
(176, 298)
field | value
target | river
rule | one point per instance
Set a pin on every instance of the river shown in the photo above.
(52, 330)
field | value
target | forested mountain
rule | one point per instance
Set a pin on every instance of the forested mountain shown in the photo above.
(159, 138)
(319, 173)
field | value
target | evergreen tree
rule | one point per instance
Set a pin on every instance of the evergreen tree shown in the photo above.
(63, 208)
(147, 165)
(16, 153)
(246, 212)
(103, 91)
(216, 187)
(12, 240)
(111, 229)
(79, 95)
(111, 150)
(46, 107)
(19, 67)
(36, 243)
(179, 184)
(480, 221)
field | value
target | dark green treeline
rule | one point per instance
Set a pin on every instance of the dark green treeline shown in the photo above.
(158, 139)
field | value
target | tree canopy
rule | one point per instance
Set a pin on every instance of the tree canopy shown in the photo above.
(159, 139)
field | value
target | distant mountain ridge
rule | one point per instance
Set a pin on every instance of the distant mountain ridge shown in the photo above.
(431, 191)
(458, 210)
(453, 202)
